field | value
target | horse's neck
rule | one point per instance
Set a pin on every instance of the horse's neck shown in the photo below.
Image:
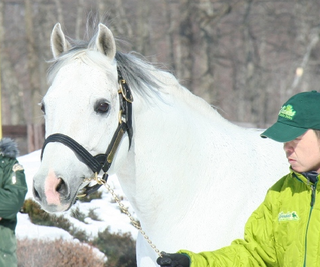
(186, 160)
(169, 152)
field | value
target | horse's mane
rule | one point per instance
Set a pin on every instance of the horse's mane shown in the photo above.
(138, 73)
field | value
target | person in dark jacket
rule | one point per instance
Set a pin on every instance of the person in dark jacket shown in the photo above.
(13, 189)
(284, 231)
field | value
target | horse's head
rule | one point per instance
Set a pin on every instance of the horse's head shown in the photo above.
(83, 112)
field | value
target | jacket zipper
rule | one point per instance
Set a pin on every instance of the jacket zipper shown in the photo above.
(313, 199)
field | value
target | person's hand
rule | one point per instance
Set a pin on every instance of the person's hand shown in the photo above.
(173, 260)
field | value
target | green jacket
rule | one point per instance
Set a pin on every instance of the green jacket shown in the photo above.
(13, 189)
(283, 232)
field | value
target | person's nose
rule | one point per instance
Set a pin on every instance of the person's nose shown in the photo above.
(288, 147)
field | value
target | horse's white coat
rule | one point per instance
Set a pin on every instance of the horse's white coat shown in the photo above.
(192, 177)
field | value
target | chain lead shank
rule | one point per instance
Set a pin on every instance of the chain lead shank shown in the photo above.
(123, 209)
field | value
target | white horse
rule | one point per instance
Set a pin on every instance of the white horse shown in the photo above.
(192, 177)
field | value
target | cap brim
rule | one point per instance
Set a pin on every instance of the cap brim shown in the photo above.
(281, 132)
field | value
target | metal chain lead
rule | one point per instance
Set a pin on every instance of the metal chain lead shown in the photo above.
(133, 221)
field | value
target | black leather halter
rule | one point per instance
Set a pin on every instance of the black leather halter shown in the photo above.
(102, 161)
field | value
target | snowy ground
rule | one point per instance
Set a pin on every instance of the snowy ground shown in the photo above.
(107, 211)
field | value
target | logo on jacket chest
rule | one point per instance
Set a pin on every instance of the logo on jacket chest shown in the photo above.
(288, 216)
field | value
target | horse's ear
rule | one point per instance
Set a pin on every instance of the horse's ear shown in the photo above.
(105, 42)
(58, 41)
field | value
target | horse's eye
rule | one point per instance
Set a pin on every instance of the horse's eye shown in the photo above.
(102, 107)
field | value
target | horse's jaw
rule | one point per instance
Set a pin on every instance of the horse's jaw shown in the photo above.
(54, 208)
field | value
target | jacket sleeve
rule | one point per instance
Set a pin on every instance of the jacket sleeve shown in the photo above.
(12, 191)
(256, 249)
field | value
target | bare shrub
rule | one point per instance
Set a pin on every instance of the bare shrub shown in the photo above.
(77, 214)
(57, 253)
(40, 217)
(119, 247)
(93, 215)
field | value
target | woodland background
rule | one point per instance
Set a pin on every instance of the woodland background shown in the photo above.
(244, 57)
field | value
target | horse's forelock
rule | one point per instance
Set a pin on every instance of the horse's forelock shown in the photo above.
(76, 53)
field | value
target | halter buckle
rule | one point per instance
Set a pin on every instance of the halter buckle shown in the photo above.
(120, 116)
(125, 91)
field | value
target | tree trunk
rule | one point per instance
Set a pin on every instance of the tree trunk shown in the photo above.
(32, 63)
(79, 27)
(59, 12)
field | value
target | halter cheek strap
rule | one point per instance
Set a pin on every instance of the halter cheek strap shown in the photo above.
(102, 161)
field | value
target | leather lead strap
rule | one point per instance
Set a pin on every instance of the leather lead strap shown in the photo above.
(126, 104)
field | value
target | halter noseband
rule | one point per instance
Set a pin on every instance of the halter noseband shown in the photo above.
(102, 161)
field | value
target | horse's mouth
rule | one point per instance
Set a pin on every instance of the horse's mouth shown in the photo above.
(67, 198)
(90, 185)
(82, 189)
(58, 196)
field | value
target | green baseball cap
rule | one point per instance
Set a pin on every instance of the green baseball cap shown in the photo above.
(299, 114)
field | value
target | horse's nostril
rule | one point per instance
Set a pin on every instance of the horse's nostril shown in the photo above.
(36, 194)
(62, 188)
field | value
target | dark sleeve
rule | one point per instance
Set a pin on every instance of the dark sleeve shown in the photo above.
(13, 190)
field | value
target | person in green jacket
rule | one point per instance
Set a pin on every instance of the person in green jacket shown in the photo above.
(13, 189)
(284, 231)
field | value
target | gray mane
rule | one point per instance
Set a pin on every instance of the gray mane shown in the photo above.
(138, 73)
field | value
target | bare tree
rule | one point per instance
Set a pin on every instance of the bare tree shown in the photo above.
(144, 30)
(60, 18)
(245, 57)
(32, 61)
(79, 18)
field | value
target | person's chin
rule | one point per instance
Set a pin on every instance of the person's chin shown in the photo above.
(296, 167)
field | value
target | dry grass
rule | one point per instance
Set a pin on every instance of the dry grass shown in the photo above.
(119, 247)
(58, 253)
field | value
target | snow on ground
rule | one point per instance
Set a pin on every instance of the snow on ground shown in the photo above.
(107, 211)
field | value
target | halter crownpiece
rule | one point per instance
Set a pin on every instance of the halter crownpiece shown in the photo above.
(102, 161)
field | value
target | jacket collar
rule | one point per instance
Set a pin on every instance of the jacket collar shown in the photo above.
(308, 178)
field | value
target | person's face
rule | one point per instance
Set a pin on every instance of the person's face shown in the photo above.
(303, 153)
